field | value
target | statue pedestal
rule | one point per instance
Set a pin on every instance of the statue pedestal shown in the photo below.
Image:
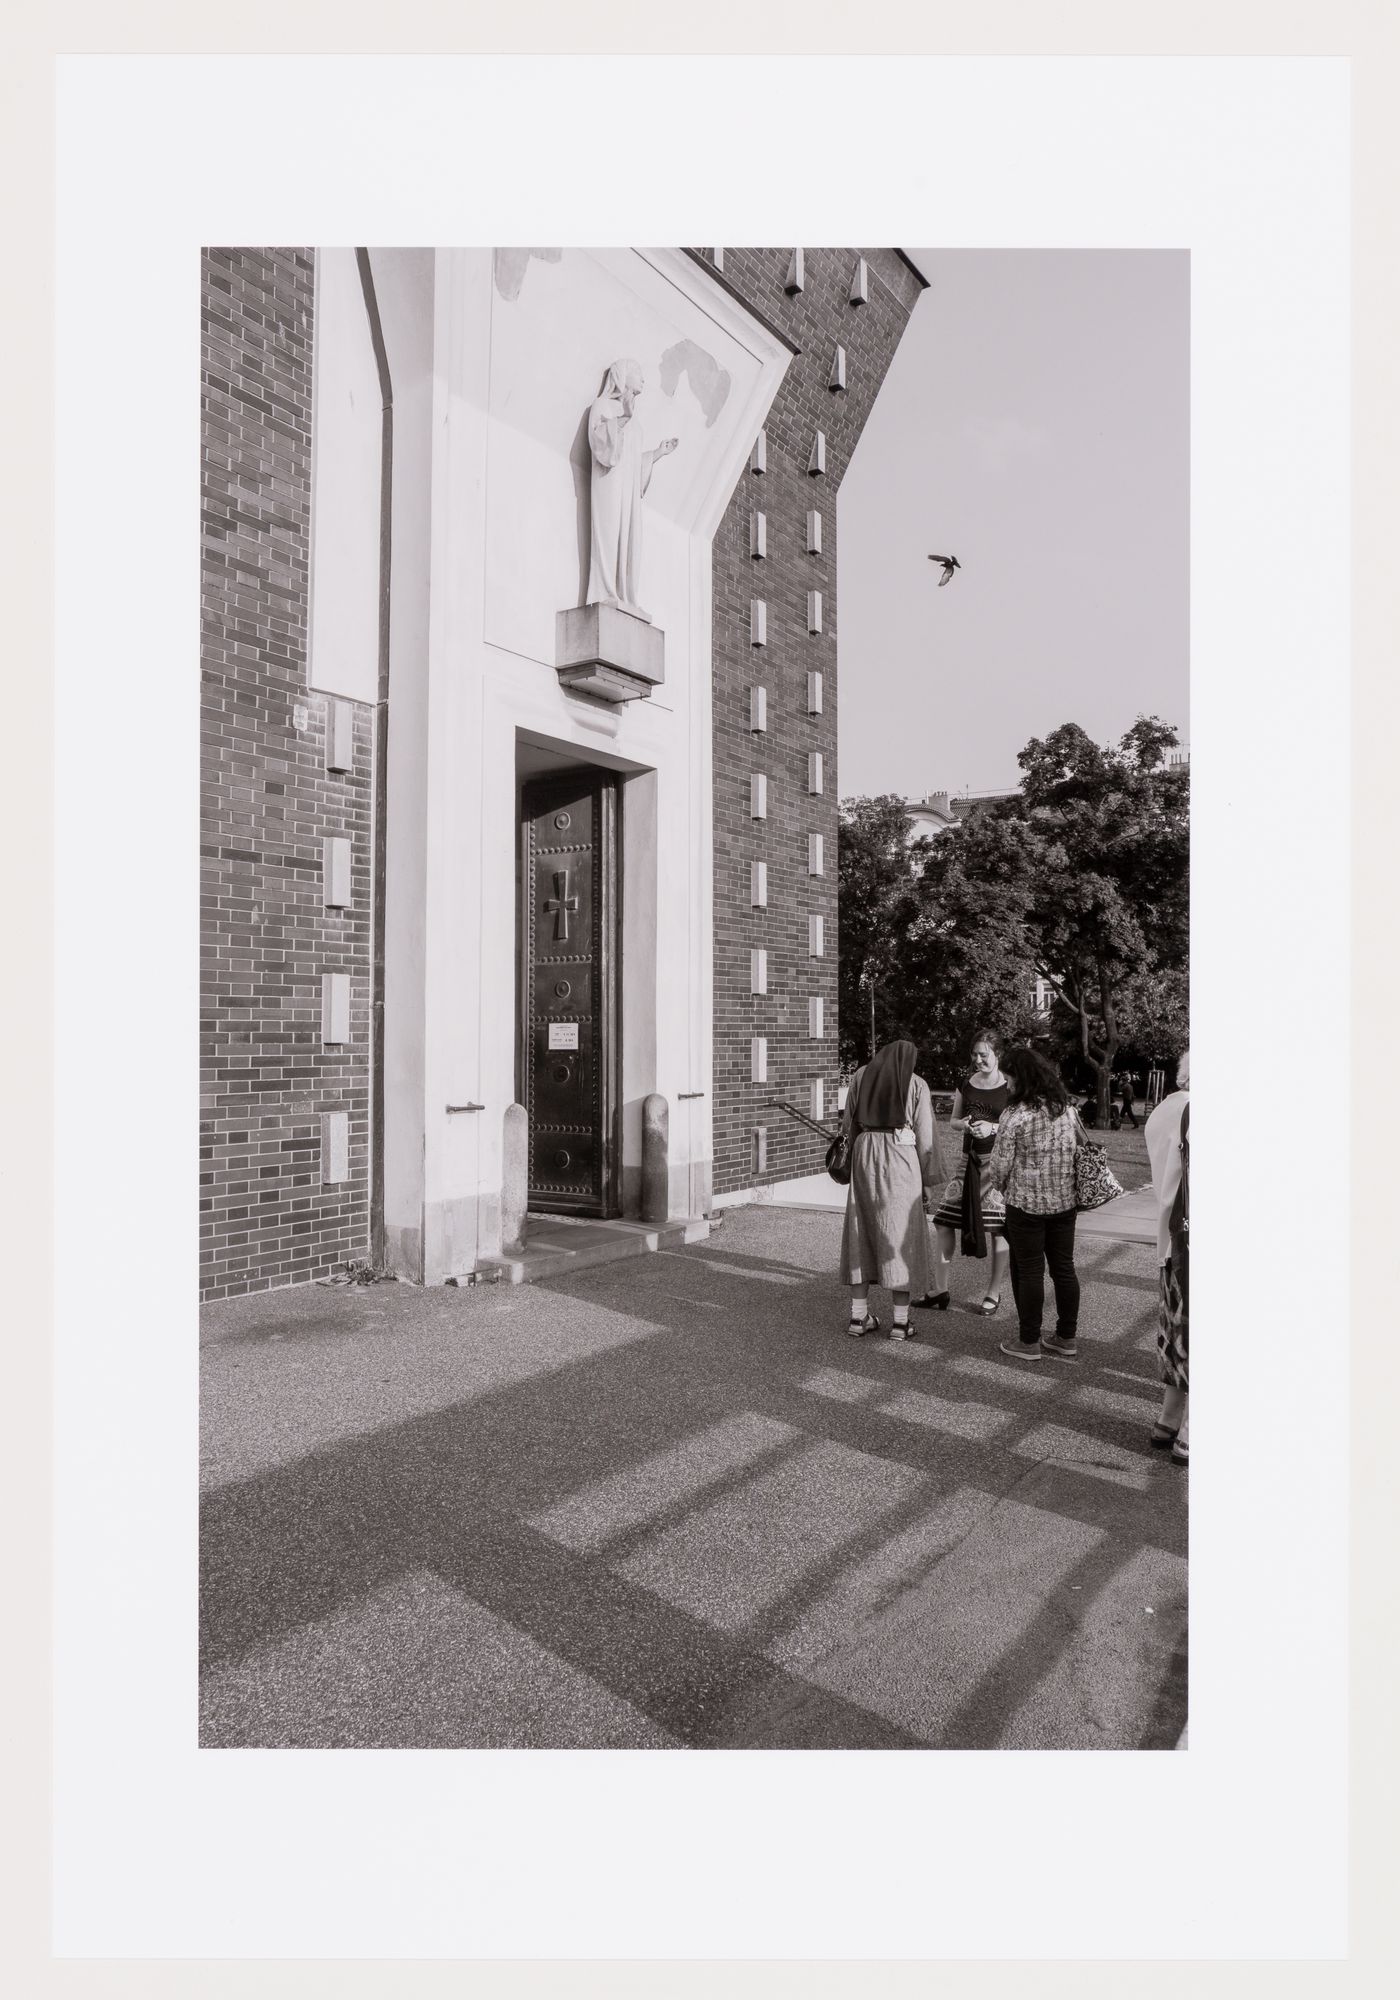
(602, 650)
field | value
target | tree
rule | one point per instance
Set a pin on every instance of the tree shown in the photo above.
(876, 905)
(905, 969)
(1080, 879)
(1154, 1015)
(1085, 874)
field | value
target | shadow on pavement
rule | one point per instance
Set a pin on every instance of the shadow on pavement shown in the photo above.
(726, 1527)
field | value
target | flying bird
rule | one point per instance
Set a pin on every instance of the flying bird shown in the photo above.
(950, 563)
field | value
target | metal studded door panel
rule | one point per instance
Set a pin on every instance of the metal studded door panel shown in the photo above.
(570, 914)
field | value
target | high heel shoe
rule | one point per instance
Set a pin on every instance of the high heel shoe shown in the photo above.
(991, 1306)
(935, 1302)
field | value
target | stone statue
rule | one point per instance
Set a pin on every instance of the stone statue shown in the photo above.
(621, 474)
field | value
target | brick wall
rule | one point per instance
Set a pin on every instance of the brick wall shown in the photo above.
(817, 319)
(267, 803)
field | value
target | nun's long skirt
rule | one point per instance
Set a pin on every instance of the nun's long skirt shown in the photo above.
(885, 1240)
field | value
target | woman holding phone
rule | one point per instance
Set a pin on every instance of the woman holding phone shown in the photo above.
(977, 1105)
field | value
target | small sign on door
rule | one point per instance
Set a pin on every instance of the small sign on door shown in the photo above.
(563, 1034)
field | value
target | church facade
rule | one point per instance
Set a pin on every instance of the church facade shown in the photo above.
(518, 736)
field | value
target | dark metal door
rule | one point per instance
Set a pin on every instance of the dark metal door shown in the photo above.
(569, 989)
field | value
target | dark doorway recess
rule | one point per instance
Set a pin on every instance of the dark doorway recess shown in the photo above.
(569, 989)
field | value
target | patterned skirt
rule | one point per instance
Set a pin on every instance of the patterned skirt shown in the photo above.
(1172, 1323)
(949, 1209)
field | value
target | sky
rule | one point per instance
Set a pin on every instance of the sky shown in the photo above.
(1034, 424)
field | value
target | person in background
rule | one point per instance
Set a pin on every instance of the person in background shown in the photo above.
(1168, 1149)
(895, 1155)
(1127, 1086)
(1032, 1164)
(977, 1105)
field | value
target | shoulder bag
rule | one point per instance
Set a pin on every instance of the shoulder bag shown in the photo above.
(1094, 1179)
(838, 1153)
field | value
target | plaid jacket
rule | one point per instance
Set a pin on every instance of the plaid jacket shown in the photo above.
(1033, 1159)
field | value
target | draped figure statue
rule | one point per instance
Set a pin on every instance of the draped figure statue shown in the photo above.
(621, 474)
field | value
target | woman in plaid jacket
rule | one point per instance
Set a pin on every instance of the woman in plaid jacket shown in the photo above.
(1032, 1164)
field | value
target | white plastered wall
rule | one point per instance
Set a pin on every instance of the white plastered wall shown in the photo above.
(346, 423)
(517, 355)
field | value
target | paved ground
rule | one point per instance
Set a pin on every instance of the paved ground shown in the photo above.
(668, 1502)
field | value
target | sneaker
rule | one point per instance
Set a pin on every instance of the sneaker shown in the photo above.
(1067, 1349)
(1022, 1350)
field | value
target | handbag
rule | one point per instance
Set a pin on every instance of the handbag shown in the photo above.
(1094, 1179)
(838, 1153)
(838, 1158)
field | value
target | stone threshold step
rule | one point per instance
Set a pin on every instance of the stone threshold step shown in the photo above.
(554, 1248)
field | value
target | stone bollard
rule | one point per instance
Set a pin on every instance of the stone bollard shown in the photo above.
(656, 1167)
(515, 1173)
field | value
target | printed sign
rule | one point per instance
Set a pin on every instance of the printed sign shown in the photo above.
(563, 1034)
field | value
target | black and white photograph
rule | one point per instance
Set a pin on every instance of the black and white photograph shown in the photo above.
(694, 1165)
(651, 839)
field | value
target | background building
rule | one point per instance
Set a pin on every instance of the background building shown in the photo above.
(461, 850)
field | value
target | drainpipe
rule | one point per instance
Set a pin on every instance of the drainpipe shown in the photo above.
(381, 772)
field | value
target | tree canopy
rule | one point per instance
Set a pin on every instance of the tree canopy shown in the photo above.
(1080, 879)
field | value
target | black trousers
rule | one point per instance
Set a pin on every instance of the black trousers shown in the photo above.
(1035, 1241)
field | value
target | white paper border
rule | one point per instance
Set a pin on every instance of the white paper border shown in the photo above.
(162, 1850)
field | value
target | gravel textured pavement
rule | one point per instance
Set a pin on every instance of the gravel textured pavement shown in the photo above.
(669, 1502)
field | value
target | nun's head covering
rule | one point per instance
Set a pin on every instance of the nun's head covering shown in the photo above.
(884, 1089)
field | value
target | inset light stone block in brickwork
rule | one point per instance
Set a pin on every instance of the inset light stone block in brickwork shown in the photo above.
(814, 771)
(335, 1008)
(758, 622)
(335, 1147)
(760, 1149)
(758, 796)
(816, 937)
(335, 873)
(758, 457)
(816, 464)
(758, 884)
(758, 708)
(814, 611)
(814, 533)
(818, 1098)
(816, 861)
(797, 273)
(758, 971)
(837, 378)
(340, 737)
(815, 1012)
(717, 259)
(758, 535)
(814, 692)
(758, 1059)
(860, 283)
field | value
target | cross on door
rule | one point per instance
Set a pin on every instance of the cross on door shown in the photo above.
(561, 905)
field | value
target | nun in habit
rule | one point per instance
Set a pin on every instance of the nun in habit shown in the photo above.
(895, 1158)
(621, 474)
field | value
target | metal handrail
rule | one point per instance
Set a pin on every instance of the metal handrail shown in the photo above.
(781, 1104)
